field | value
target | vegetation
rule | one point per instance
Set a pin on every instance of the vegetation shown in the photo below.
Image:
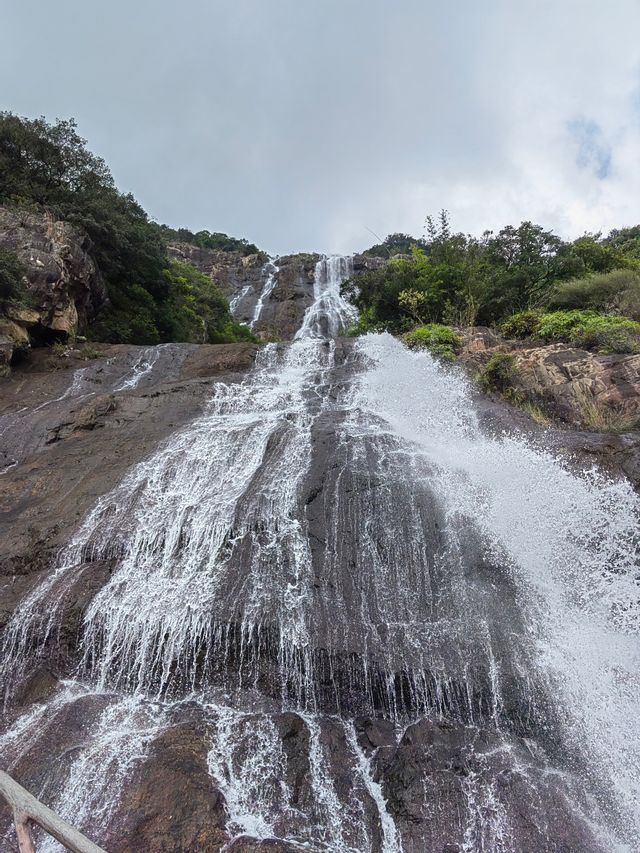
(498, 374)
(395, 244)
(458, 279)
(440, 340)
(208, 240)
(613, 292)
(12, 288)
(586, 329)
(47, 166)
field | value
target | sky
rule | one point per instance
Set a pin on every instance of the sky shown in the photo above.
(312, 126)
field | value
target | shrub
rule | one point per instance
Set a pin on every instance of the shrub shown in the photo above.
(560, 325)
(498, 374)
(524, 324)
(608, 334)
(615, 292)
(89, 353)
(12, 289)
(586, 329)
(442, 341)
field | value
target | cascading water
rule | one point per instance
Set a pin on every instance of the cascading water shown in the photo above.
(271, 279)
(396, 633)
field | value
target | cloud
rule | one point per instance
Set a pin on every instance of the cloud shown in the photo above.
(593, 152)
(302, 125)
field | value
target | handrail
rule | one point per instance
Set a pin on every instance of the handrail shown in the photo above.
(25, 808)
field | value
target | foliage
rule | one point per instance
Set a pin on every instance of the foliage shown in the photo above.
(193, 310)
(196, 310)
(89, 353)
(524, 324)
(627, 242)
(498, 374)
(49, 165)
(462, 280)
(208, 240)
(395, 244)
(589, 330)
(440, 340)
(12, 271)
(616, 292)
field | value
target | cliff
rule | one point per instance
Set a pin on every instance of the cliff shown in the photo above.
(64, 288)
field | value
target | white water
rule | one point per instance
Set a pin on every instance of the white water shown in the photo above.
(102, 766)
(141, 367)
(271, 270)
(237, 299)
(391, 842)
(329, 312)
(209, 529)
(247, 762)
(572, 541)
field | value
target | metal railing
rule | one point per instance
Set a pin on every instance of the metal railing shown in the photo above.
(26, 808)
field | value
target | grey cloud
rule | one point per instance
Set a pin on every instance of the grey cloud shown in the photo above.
(299, 125)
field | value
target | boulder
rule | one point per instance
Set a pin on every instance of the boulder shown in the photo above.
(64, 284)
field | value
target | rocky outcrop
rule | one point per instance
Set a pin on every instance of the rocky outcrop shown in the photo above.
(273, 307)
(64, 286)
(581, 388)
(588, 403)
(69, 434)
(230, 270)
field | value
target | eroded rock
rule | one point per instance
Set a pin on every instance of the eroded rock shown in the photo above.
(64, 284)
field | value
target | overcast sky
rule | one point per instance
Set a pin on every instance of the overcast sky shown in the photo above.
(301, 124)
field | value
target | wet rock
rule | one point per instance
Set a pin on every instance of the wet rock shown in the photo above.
(456, 787)
(375, 733)
(295, 744)
(57, 455)
(282, 313)
(172, 802)
(245, 844)
(90, 416)
(214, 359)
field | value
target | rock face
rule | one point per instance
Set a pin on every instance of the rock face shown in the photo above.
(65, 287)
(243, 611)
(592, 401)
(269, 295)
(581, 388)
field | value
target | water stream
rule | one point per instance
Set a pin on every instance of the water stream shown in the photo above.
(397, 632)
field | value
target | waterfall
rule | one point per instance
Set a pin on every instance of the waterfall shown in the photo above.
(271, 271)
(395, 632)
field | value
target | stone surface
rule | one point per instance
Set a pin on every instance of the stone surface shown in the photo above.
(581, 388)
(73, 428)
(65, 287)
(172, 803)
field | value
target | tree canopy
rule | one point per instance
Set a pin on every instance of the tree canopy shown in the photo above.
(459, 279)
(49, 166)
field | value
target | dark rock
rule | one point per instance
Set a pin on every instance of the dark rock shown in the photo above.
(172, 803)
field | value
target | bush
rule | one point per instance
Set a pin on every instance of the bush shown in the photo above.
(586, 329)
(150, 300)
(560, 325)
(12, 287)
(442, 341)
(498, 374)
(208, 240)
(608, 334)
(613, 292)
(524, 324)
